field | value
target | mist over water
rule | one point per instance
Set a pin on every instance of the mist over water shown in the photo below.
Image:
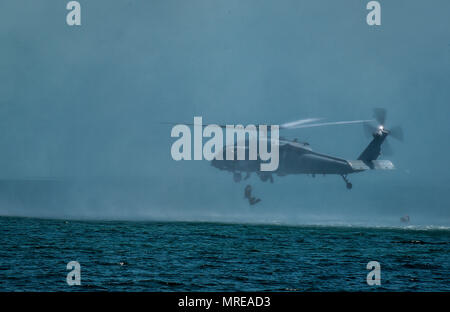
(81, 107)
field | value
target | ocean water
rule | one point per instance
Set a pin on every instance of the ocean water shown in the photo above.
(190, 256)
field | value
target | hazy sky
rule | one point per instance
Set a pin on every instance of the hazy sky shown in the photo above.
(87, 101)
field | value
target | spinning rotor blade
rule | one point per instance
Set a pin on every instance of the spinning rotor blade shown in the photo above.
(191, 124)
(380, 115)
(331, 124)
(369, 129)
(397, 133)
(298, 124)
(294, 124)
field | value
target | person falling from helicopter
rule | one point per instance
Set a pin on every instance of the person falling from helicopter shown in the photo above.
(248, 194)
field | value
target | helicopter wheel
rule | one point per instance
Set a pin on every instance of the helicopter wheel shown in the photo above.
(347, 182)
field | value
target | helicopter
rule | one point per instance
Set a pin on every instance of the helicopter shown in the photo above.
(298, 157)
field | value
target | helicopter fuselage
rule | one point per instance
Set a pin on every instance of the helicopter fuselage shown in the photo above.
(295, 158)
(299, 158)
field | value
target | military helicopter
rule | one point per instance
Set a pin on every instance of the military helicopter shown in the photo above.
(298, 157)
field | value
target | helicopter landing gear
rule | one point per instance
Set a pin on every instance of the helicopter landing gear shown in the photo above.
(237, 177)
(347, 182)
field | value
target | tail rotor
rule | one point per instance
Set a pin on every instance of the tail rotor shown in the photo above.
(380, 130)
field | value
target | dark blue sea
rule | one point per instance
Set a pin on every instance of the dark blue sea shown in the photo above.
(189, 256)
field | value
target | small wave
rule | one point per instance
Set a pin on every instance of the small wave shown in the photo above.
(422, 266)
(420, 242)
(167, 283)
(426, 227)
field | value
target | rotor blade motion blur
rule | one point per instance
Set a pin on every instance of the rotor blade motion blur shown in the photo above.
(294, 124)
(369, 129)
(333, 123)
(299, 124)
(380, 115)
(397, 133)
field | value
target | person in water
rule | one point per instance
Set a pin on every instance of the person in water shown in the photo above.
(248, 194)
